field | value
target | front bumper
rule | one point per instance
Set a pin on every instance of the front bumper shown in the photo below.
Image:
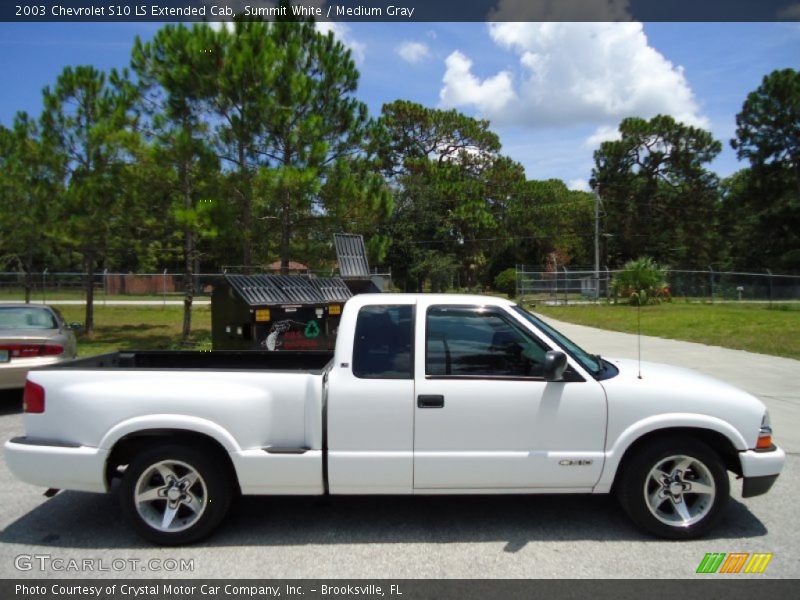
(760, 470)
(52, 464)
(755, 486)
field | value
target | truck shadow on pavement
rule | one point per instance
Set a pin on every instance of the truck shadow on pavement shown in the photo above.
(10, 402)
(80, 520)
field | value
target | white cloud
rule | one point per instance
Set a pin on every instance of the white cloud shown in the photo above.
(571, 73)
(579, 185)
(342, 33)
(413, 52)
(604, 133)
(461, 87)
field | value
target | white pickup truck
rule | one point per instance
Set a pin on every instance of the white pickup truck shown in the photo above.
(424, 394)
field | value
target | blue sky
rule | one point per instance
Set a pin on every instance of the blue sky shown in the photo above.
(552, 91)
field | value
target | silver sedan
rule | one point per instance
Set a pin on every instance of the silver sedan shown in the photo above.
(31, 336)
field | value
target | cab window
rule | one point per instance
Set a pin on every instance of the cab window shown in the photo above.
(478, 342)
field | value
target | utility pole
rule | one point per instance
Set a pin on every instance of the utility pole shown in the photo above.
(596, 245)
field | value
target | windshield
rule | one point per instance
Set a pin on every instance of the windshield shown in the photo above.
(26, 317)
(588, 361)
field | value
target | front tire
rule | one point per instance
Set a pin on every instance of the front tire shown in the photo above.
(173, 494)
(674, 488)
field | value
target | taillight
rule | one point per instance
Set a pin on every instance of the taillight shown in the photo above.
(33, 398)
(51, 350)
(32, 350)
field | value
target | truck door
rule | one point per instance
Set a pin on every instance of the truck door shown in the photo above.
(484, 416)
(371, 402)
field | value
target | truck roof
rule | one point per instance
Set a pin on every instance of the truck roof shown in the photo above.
(438, 298)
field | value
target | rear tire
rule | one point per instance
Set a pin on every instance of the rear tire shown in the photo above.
(674, 488)
(173, 494)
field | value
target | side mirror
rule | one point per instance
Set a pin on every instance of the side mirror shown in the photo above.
(75, 326)
(555, 363)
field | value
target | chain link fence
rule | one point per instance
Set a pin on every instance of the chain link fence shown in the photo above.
(563, 286)
(47, 286)
(577, 285)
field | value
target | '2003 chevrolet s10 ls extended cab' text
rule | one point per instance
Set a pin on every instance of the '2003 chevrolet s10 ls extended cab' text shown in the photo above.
(424, 394)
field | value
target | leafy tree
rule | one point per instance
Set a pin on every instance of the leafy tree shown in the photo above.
(409, 132)
(658, 196)
(87, 120)
(542, 217)
(442, 211)
(768, 127)
(244, 60)
(28, 185)
(450, 182)
(354, 199)
(148, 238)
(763, 202)
(313, 119)
(289, 120)
(174, 72)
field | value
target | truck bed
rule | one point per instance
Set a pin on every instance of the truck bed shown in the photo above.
(310, 362)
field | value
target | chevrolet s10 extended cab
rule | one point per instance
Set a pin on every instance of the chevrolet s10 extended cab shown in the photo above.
(424, 394)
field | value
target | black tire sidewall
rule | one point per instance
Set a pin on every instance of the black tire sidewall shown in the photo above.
(631, 485)
(210, 468)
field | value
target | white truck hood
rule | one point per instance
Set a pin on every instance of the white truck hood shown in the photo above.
(665, 389)
(659, 374)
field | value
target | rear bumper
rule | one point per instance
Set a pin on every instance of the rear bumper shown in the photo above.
(760, 470)
(51, 464)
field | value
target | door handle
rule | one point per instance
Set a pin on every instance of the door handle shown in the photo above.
(430, 401)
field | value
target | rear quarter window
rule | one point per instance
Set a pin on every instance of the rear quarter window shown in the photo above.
(382, 348)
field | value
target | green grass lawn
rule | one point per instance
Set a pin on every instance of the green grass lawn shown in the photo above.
(140, 328)
(752, 327)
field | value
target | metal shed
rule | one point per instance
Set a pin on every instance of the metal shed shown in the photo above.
(275, 312)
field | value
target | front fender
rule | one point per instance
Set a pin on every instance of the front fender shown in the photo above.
(655, 423)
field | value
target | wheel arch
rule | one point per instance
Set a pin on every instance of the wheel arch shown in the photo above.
(717, 441)
(131, 444)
